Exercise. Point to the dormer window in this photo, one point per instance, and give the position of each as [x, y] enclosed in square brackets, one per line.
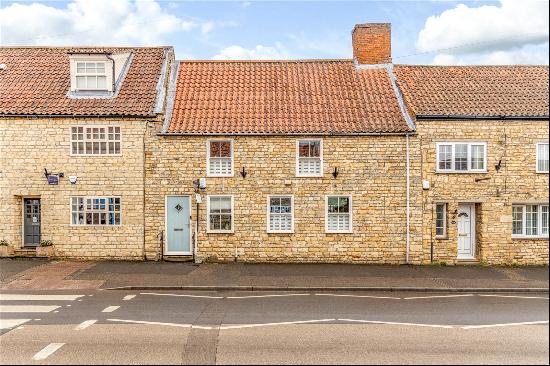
[91, 75]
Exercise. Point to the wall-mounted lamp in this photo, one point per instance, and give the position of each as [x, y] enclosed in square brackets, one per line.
[335, 172]
[244, 172]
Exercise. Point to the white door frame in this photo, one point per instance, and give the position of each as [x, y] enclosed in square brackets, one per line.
[472, 230]
[165, 244]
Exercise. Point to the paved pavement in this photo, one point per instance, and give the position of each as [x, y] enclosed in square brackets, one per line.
[109, 274]
[230, 327]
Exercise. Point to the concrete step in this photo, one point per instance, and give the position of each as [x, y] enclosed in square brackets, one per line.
[178, 258]
[25, 253]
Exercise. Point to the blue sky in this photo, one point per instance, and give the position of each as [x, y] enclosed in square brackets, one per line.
[441, 32]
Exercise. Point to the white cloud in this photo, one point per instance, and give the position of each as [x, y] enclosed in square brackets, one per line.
[83, 22]
[512, 32]
[259, 52]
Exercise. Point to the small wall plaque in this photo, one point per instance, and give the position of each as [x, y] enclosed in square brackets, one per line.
[53, 180]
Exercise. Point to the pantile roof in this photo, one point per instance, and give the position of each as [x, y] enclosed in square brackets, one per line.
[475, 91]
[284, 97]
[36, 81]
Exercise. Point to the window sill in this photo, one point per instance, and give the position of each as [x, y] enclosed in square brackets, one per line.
[338, 232]
[220, 231]
[461, 172]
[94, 226]
[280, 232]
[309, 176]
[527, 237]
[220, 176]
[445, 237]
[541, 172]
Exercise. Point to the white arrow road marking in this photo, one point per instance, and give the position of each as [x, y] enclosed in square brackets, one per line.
[110, 309]
[47, 351]
[85, 324]
[361, 296]
[272, 324]
[436, 296]
[26, 297]
[27, 308]
[180, 295]
[128, 297]
[517, 297]
[11, 323]
[504, 325]
[396, 323]
[257, 296]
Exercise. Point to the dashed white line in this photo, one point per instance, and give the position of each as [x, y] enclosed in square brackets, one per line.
[181, 295]
[26, 297]
[396, 323]
[128, 297]
[110, 309]
[27, 308]
[504, 325]
[273, 324]
[259, 296]
[85, 324]
[47, 351]
[517, 297]
[11, 323]
[436, 296]
[361, 296]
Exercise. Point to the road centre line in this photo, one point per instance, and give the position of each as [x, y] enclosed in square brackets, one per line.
[110, 309]
[47, 351]
[128, 297]
[516, 296]
[85, 324]
[28, 297]
[361, 296]
[181, 295]
[396, 323]
[436, 296]
[27, 308]
[503, 325]
[258, 296]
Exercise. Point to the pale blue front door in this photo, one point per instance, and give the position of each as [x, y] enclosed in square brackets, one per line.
[178, 225]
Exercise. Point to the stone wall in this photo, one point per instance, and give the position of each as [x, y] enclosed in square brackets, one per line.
[514, 144]
[28, 145]
[372, 169]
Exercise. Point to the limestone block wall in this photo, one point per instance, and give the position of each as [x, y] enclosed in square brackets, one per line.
[372, 169]
[514, 144]
[28, 145]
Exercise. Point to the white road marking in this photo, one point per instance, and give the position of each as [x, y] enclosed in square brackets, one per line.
[272, 324]
[515, 296]
[436, 296]
[257, 296]
[47, 351]
[503, 325]
[25, 297]
[11, 323]
[128, 297]
[361, 296]
[396, 323]
[85, 324]
[110, 309]
[153, 323]
[27, 308]
[180, 295]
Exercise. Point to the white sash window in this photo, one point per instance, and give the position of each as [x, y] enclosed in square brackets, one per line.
[220, 214]
[280, 214]
[309, 158]
[95, 140]
[338, 214]
[542, 157]
[461, 157]
[91, 76]
[529, 221]
[220, 158]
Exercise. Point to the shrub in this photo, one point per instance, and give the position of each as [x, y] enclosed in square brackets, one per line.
[4, 243]
[46, 243]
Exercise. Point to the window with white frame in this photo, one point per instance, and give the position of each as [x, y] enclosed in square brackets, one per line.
[220, 214]
[461, 156]
[95, 211]
[309, 158]
[338, 214]
[280, 214]
[530, 220]
[542, 157]
[95, 140]
[91, 75]
[220, 158]
[441, 220]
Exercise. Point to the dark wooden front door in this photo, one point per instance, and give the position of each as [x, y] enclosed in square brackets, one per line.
[32, 222]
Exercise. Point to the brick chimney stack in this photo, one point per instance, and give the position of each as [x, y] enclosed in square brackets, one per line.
[372, 43]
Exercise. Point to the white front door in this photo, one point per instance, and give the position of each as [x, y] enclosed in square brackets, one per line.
[466, 231]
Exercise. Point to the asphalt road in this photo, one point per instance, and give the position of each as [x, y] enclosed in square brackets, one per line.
[140, 327]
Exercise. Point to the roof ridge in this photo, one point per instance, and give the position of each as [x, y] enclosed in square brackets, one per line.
[472, 66]
[83, 47]
[268, 61]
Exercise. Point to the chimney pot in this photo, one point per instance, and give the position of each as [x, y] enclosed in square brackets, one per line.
[372, 43]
